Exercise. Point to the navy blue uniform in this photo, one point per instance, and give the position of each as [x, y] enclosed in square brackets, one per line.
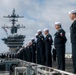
[59, 43]
[33, 50]
[20, 54]
[40, 49]
[48, 56]
[29, 59]
[73, 41]
[26, 53]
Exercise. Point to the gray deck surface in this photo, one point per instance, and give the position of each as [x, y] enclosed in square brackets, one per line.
[69, 67]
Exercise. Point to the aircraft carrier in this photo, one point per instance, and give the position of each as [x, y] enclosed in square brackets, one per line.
[13, 66]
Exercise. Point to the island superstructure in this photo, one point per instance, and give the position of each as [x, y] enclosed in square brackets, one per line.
[14, 40]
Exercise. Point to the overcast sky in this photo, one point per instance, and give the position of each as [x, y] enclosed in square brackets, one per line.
[38, 14]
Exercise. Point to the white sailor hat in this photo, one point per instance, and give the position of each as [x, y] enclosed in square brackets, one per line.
[72, 12]
[39, 31]
[46, 29]
[57, 23]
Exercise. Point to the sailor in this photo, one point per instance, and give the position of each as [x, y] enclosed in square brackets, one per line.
[26, 52]
[59, 43]
[29, 57]
[23, 52]
[72, 15]
[36, 36]
[48, 47]
[33, 50]
[30, 49]
[20, 53]
[40, 48]
[10, 55]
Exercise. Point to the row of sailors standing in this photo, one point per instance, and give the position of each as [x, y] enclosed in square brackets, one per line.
[28, 53]
[7, 55]
[39, 51]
